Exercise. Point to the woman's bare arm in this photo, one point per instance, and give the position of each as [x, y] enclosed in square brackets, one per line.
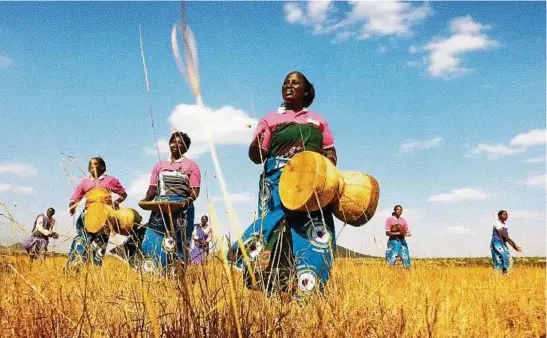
[257, 154]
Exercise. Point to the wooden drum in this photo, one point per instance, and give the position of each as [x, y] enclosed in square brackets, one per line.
[358, 198]
[99, 211]
[125, 220]
[309, 182]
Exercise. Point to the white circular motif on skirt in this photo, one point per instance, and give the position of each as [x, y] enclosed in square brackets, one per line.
[318, 234]
[168, 244]
[94, 245]
[254, 246]
[306, 280]
[148, 265]
[100, 252]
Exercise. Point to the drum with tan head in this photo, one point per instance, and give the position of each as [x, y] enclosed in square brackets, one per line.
[309, 182]
[100, 195]
[126, 218]
[99, 212]
[358, 198]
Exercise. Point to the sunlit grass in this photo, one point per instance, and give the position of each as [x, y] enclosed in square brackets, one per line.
[364, 298]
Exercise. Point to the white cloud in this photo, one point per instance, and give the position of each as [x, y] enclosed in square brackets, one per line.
[237, 198]
[531, 138]
[538, 180]
[445, 53]
[386, 17]
[342, 36]
[495, 151]
[410, 145]
[459, 195]
[318, 10]
[18, 169]
[5, 61]
[16, 189]
[365, 20]
[535, 160]
[138, 187]
[294, 14]
[458, 230]
[162, 146]
[228, 125]
[517, 145]
[4, 187]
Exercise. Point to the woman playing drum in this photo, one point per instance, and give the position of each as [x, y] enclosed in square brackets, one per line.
[175, 181]
[87, 245]
[290, 251]
[397, 230]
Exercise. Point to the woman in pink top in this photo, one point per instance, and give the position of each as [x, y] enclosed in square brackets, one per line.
[290, 251]
[87, 246]
[177, 179]
[397, 230]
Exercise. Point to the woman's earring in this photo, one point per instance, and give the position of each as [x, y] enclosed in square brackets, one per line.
[306, 94]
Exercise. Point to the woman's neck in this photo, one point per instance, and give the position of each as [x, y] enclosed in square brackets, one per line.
[294, 106]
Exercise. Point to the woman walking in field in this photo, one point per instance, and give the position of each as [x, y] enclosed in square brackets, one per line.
[397, 230]
[292, 251]
[201, 237]
[88, 246]
[36, 244]
[501, 256]
[177, 180]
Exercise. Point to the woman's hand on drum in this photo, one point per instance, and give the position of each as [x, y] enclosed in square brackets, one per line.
[408, 234]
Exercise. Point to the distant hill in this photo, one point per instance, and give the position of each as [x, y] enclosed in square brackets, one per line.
[15, 248]
[347, 253]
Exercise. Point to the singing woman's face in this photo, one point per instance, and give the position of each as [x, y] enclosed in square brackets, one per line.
[398, 211]
[293, 89]
[177, 147]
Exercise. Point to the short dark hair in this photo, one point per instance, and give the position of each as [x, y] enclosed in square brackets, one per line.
[99, 159]
[395, 208]
[52, 211]
[309, 88]
[501, 212]
[185, 138]
[206, 217]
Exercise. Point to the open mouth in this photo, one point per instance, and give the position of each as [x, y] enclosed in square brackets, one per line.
[289, 91]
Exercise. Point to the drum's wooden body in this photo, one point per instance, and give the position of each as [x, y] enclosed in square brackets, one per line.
[358, 198]
[126, 218]
[161, 206]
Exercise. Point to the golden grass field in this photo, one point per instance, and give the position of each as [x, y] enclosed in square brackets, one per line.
[364, 298]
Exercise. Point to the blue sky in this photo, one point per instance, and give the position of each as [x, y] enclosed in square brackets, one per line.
[444, 103]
